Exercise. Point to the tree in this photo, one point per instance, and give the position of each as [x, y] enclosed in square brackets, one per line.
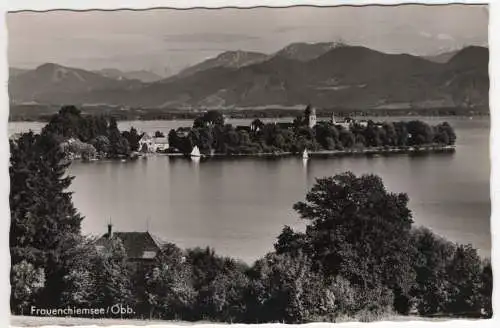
[349, 219]
[420, 133]
[80, 287]
[66, 123]
[220, 283]
[159, 134]
[290, 291]
[133, 138]
[291, 242]
[26, 281]
[347, 138]
[112, 279]
[101, 144]
[173, 139]
[445, 134]
[464, 282]
[224, 296]
[372, 135]
[211, 117]
[486, 289]
[432, 258]
[256, 125]
[205, 265]
[42, 211]
[169, 291]
[119, 145]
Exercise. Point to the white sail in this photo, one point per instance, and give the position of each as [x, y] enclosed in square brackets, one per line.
[305, 155]
[195, 152]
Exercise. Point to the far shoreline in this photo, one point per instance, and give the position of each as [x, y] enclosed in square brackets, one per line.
[461, 116]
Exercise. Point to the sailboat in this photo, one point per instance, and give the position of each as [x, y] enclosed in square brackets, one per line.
[305, 155]
[195, 152]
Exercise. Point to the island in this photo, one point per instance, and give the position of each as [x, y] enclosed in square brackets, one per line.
[93, 137]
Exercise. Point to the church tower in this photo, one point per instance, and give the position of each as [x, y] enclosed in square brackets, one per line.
[312, 118]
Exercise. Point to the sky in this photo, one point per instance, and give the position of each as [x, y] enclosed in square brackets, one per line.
[166, 40]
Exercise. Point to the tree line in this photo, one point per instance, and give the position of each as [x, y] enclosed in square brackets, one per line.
[359, 258]
[88, 136]
[210, 134]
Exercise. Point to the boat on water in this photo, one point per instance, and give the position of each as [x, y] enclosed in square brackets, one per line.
[305, 155]
[195, 152]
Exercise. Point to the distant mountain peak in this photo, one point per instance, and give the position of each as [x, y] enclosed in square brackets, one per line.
[305, 51]
[228, 59]
[469, 56]
[48, 66]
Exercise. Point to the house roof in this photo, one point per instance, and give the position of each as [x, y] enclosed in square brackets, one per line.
[135, 243]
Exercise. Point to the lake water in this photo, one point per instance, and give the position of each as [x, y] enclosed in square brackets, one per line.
[239, 206]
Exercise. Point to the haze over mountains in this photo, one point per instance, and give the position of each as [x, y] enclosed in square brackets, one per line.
[328, 75]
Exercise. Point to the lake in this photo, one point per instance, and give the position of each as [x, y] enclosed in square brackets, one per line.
[239, 206]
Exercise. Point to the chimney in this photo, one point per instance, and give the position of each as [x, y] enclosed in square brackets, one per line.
[110, 230]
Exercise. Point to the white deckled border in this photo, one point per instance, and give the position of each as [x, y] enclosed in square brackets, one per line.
[142, 4]
[14, 5]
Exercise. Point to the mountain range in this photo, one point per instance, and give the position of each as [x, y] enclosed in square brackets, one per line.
[327, 75]
[141, 75]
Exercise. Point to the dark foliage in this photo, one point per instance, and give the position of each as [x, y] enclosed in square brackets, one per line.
[42, 213]
[210, 134]
[100, 132]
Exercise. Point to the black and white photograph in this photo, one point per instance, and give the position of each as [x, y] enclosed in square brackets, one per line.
[261, 165]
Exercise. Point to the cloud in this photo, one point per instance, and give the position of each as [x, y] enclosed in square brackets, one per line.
[285, 29]
[209, 37]
[425, 34]
[442, 36]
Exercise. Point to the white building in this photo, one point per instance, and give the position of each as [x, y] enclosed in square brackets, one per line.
[345, 124]
[149, 144]
[312, 118]
[160, 144]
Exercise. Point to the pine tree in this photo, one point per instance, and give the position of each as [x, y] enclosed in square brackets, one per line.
[42, 211]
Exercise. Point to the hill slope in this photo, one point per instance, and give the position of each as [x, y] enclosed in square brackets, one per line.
[52, 83]
[141, 75]
[229, 59]
[306, 51]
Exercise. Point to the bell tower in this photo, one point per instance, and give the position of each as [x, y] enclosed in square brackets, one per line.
[312, 118]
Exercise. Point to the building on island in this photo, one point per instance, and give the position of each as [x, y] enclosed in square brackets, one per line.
[348, 122]
[161, 143]
[150, 144]
[140, 247]
[312, 119]
[146, 143]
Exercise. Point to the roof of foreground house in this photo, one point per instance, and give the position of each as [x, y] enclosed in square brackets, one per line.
[137, 244]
